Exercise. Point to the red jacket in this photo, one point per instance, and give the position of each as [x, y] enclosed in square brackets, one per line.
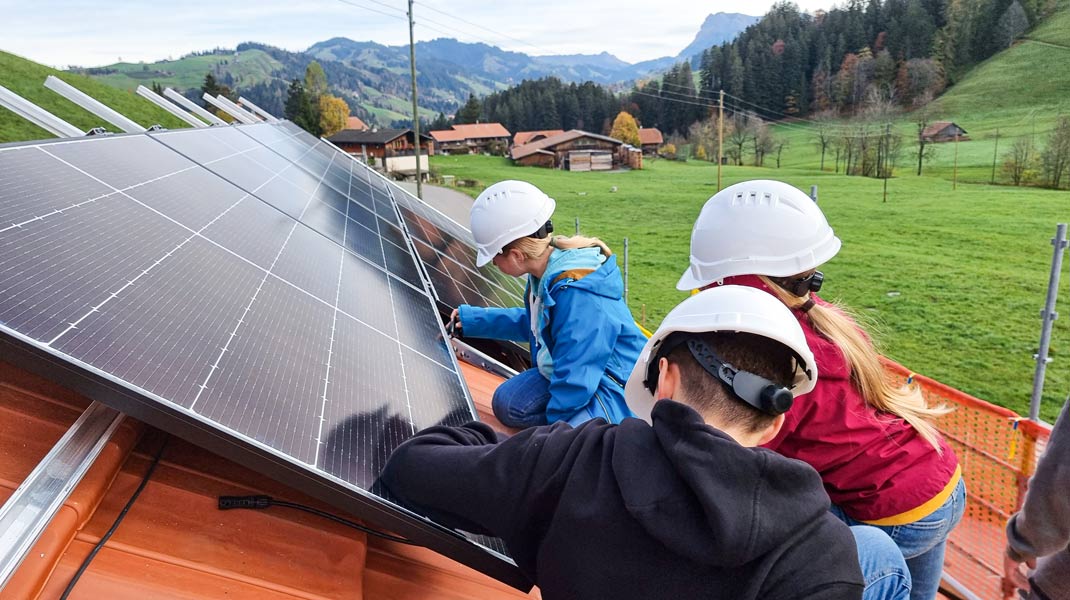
[874, 465]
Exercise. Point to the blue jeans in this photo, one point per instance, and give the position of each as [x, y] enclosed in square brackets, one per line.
[922, 542]
[883, 567]
[521, 401]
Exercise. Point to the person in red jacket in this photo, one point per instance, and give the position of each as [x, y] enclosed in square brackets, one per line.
[880, 458]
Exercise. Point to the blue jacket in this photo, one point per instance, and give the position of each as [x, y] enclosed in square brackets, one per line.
[583, 337]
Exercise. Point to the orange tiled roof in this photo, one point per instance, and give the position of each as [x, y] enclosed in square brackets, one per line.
[523, 137]
[650, 135]
[477, 131]
[448, 135]
[356, 123]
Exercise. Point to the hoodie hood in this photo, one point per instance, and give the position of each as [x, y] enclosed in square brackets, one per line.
[722, 512]
[605, 280]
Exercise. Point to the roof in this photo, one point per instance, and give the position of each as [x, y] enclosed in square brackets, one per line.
[380, 136]
[519, 152]
[174, 542]
[650, 135]
[477, 131]
[937, 127]
[356, 123]
[447, 135]
[474, 131]
[523, 137]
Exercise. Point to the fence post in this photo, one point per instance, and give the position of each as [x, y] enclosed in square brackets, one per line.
[577, 226]
[625, 271]
[813, 193]
[1047, 316]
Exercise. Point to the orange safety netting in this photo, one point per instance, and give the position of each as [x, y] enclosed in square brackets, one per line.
[998, 452]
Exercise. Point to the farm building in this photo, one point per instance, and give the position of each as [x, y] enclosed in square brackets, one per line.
[380, 143]
[944, 131]
[472, 139]
[575, 150]
[525, 137]
[650, 139]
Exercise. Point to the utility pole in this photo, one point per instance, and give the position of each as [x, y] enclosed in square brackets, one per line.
[887, 171]
[415, 112]
[995, 153]
[955, 172]
[720, 138]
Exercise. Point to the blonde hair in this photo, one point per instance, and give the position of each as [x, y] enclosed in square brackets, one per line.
[867, 374]
[533, 248]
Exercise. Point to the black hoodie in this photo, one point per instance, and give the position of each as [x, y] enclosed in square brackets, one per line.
[673, 510]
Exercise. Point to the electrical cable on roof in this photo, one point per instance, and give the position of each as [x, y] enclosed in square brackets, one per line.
[119, 519]
[261, 502]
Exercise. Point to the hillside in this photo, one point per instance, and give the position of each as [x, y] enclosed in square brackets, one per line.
[26, 78]
[1017, 92]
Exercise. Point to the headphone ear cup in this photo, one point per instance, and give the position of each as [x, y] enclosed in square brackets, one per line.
[652, 372]
[776, 400]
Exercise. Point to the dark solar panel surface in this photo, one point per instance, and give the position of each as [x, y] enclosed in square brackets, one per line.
[240, 278]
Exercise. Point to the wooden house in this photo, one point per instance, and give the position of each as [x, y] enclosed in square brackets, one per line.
[381, 143]
[574, 150]
[650, 139]
[943, 131]
[475, 138]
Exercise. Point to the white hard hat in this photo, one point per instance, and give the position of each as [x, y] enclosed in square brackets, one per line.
[729, 308]
[507, 211]
[759, 227]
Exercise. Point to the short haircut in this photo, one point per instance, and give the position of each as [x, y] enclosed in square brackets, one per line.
[746, 352]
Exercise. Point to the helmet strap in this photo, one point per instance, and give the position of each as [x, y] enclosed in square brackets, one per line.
[757, 391]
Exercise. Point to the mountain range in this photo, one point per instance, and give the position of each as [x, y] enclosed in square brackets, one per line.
[374, 78]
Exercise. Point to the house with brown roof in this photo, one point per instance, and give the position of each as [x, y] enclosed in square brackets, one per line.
[381, 143]
[525, 137]
[650, 139]
[576, 150]
[943, 131]
[472, 138]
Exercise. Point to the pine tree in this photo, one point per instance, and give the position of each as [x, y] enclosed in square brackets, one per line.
[470, 112]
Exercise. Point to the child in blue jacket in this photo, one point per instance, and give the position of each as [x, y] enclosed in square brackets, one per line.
[583, 339]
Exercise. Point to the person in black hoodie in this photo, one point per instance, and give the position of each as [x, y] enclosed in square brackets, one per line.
[681, 507]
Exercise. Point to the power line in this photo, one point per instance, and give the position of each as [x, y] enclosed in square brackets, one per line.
[496, 33]
[374, 10]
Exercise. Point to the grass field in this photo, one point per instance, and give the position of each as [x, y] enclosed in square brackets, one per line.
[250, 66]
[953, 281]
[26, 78]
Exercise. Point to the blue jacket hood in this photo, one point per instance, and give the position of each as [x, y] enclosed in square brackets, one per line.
[604, 281]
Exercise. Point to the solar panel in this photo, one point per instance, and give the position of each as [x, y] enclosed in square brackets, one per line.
[206, 283]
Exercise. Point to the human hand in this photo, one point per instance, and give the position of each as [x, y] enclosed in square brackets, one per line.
[454, 323]
[1013, 576]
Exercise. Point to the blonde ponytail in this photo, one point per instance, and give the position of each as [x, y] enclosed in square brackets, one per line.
[533, 248]
[867, 374]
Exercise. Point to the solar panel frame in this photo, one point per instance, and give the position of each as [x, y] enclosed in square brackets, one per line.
[100, 384]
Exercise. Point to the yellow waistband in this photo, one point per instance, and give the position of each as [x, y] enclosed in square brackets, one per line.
[916, 514]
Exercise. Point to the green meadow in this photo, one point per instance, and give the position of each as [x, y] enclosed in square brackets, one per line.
[951, 281]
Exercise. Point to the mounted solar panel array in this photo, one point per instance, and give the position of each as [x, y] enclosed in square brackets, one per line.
[242, 287]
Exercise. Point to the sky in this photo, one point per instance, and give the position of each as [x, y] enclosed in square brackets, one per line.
[61, 33]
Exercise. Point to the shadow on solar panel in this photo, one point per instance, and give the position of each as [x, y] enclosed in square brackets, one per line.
[246, 288]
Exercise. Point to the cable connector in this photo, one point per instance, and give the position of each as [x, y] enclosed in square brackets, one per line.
[257, 502]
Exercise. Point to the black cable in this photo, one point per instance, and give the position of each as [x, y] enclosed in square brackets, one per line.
[115, 525]
[261, 502]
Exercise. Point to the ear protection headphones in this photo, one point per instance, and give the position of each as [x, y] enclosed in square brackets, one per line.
[546, 229]
[799, 287]
[755, 390]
